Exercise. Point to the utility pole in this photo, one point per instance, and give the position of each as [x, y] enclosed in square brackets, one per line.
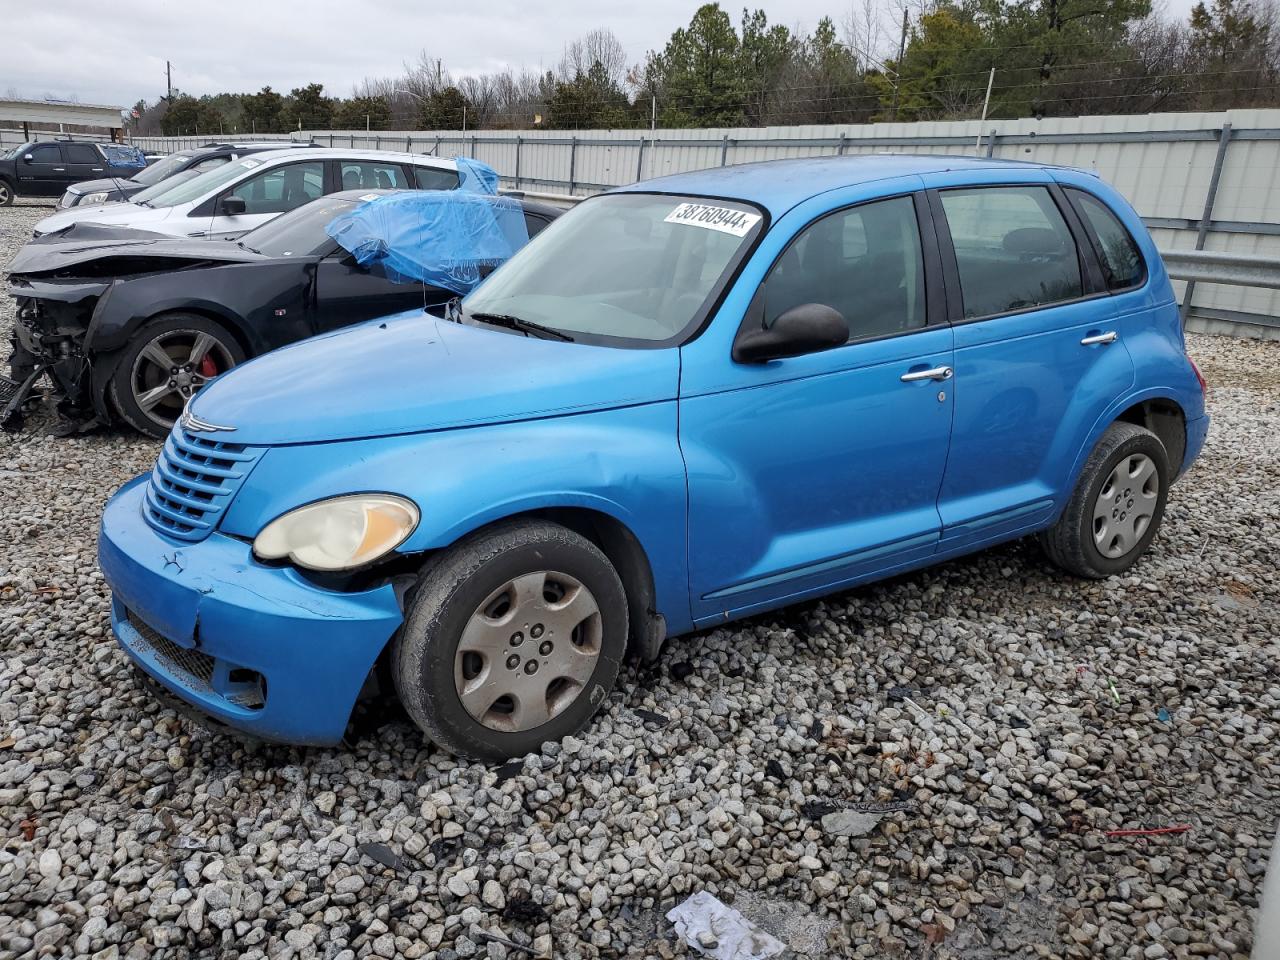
[897, 83]
[653, 113]
[438, 71]
[168, 80]
[991, 78]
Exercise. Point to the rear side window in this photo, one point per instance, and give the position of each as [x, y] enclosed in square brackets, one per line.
[865, 262]
[435, 178]
[81, 153]
[1013, 249]
[1122, 264]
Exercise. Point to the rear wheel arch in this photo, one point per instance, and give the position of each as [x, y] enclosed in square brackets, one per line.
[1166, 419]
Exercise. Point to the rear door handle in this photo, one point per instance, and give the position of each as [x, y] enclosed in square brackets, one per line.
[1109, 337]
[936, 373]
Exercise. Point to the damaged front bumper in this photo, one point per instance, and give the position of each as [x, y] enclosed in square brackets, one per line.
[258, 648]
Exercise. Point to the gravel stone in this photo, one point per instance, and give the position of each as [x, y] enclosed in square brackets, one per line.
[993, 717]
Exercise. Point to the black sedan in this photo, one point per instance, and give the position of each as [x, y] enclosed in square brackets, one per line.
[129, 324]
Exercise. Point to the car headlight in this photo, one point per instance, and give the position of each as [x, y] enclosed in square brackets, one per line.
[88, 198]
[339, 534]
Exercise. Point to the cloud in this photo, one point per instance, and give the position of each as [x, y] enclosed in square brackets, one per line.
[76, 49]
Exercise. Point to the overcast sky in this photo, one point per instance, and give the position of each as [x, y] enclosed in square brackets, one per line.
[115, 54]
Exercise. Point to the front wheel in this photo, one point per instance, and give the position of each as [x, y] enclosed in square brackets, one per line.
[164, 364]
[6, 193]
[1116, 507]
[514, 637]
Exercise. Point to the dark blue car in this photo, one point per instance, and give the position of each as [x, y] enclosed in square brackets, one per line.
[688, 401]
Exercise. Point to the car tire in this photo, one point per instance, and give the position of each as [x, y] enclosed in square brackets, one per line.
[7, 193]
[514, 637]
[136, 383]
[1116, 507]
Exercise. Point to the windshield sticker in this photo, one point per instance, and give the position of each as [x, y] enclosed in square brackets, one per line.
[724, 219]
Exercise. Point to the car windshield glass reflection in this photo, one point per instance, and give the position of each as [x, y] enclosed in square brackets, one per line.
[300, 232]
[162, 169]
[624, 266]
[164, 194]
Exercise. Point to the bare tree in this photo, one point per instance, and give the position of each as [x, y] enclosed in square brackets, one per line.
[599, 46]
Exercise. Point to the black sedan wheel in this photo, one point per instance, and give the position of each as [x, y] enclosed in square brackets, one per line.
[165, 364]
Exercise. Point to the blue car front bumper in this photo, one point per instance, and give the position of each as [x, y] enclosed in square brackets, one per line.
[258, 648]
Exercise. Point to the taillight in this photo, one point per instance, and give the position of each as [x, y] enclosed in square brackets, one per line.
[1204, 387]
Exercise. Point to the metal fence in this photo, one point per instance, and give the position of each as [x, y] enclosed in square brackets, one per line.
[1201, 181]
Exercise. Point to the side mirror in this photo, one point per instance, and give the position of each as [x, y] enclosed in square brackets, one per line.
[28, 158]
[232, 206]
[808, 328]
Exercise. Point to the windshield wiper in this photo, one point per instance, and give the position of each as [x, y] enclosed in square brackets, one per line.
[244, 246]
[512, 322]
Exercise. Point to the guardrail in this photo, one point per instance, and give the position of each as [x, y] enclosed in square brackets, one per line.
[1212, 266]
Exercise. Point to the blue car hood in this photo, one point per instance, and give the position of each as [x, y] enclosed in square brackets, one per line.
[411, 373]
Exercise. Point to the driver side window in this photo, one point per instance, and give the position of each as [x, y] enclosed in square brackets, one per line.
[865, 261]
[282, 189]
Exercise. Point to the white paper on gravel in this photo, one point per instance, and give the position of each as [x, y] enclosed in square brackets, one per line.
[703, 918]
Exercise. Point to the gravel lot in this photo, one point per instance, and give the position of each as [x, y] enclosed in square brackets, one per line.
[1006, 716]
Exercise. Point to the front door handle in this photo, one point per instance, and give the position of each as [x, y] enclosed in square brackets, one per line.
[936, 373]
[1109, 337]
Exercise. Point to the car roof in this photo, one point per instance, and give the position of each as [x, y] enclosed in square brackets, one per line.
[778, 185]
[530, 206]
[342, 153]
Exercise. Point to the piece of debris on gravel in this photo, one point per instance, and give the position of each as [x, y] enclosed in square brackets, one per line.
[970, 707]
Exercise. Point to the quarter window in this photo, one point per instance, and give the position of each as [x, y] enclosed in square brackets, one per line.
[1122, 264]
[1013, 249]
[282, 188]
[435, 178]
[367, 175]
[865, 262]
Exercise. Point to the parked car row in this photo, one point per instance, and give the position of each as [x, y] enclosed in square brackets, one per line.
[129, 327]
[687, 401]
[174, 168]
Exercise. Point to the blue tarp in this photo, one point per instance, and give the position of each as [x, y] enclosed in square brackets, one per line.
[444, 238]
[123, 155]
[476, 177]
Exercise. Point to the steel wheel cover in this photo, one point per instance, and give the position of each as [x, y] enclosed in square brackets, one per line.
[172, 367]
[1125, 505]
[527, 651]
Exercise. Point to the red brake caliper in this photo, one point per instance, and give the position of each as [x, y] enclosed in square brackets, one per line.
[207, 367]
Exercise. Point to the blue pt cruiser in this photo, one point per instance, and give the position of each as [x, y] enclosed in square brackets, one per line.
[688, 401]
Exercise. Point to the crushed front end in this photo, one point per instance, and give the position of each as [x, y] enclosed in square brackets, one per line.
[49, 337]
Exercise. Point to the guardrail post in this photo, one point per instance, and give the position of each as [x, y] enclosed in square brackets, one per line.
[519, 141]
[573, 164]
[640, 160]
[473, 146]
[724, 150]
[840, 149]
[991, 144]
[1206, 218]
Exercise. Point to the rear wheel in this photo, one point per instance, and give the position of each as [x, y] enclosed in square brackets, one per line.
[1117, 505]
[6, 193]
[165, 364]
[514, 637]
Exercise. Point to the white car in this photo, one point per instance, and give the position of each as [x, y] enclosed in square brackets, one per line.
[234, 198]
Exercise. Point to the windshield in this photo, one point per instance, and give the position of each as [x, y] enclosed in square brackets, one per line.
[163, 194]
[623, 266]
[162, 168]
[11, 154]
[300, 232]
